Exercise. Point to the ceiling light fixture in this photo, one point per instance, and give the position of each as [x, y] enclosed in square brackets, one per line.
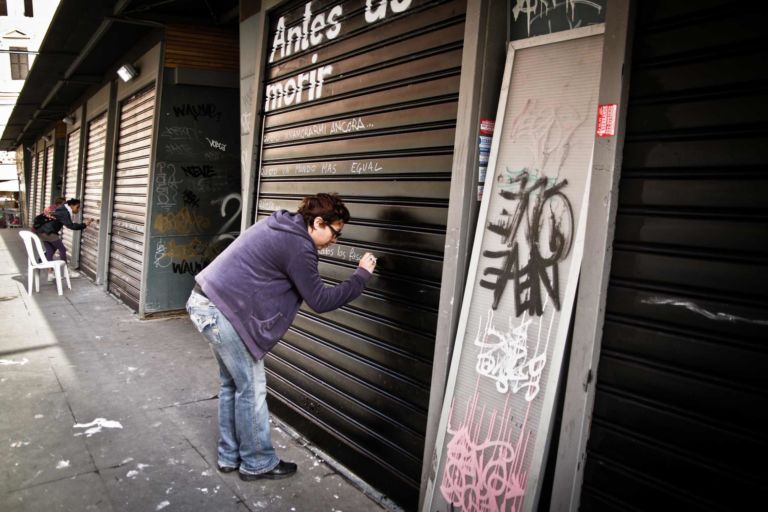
[126, 72]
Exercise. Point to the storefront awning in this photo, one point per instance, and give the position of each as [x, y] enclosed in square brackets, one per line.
[83, 45]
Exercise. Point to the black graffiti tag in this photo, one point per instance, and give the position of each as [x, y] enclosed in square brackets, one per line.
[191, 199]
[547, 219]
[199, 110]
[199, 171]
[187, 267]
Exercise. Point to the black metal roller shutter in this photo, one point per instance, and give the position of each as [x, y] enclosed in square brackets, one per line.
[93, 182]
[40, 183]
[70, 180]
[377, 128]
[129, 213]
[48, 189]
[680, 411]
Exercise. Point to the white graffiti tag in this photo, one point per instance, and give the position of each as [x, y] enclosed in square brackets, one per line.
[161, 257]
[535, 10]
[166, 185]
[504, 358]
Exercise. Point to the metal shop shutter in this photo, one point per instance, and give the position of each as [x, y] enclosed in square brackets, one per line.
[40, 183]
[375, 122]
[48, 190]
[31, 195]
[70, 181]
[680, 410]
[93, 180]
[132, 161]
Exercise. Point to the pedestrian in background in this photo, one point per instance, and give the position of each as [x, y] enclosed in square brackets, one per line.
[246, 300]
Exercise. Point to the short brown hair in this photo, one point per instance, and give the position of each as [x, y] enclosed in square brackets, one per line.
[329, 207]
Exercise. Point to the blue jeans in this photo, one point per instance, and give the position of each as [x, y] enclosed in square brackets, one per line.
[245, 440]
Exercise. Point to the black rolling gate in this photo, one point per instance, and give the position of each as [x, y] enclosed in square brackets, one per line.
[374, 122]
[680, 411]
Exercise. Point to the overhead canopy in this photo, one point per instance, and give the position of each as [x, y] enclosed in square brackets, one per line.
[83, 42]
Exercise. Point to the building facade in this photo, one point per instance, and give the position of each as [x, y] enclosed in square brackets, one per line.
[23, 25]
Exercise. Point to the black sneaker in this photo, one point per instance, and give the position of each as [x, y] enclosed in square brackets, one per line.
[282, 470]
[226, 469]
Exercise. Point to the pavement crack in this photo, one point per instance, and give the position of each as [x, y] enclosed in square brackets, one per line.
[23, 486]
[119, 465]
[74, 421]
[61, 388]
[74, 306]
[178, 404]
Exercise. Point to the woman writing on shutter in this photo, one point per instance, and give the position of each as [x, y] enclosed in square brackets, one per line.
[244, 302]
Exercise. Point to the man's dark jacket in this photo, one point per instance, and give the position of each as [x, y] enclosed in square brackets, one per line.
[61, 218]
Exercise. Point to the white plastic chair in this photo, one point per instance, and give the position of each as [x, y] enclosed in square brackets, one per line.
[33, 244]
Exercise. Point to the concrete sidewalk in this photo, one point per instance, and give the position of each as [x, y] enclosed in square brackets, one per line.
[102, 411]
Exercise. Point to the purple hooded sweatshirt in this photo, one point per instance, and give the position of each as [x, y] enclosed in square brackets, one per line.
[259, 281]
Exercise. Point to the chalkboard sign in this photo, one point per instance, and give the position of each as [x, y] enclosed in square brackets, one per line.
[494, 428]
[196, 200]
[535, 18]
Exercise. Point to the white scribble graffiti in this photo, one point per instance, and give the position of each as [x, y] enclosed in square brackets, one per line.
[540, 9]
[290, 90]
[245, 158]
[216, 144]
[695, 308]
[311, 31]
[161, 257]
[315, 28]
[178, 149]
[166, 185]
[504, 355]
[225, 237]
[378, 13]
[246, 116]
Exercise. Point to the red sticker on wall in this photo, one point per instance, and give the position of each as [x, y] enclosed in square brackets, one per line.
[606, 120]
[487, 126]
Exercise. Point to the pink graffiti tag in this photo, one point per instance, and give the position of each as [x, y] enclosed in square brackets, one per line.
[485, 475]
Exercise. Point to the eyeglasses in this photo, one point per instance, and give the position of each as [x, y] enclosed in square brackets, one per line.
[336, 233]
